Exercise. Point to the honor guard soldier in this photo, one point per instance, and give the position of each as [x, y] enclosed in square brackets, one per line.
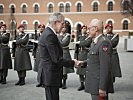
[5, 56]
[114, 38]
[35, 52]
[84, 43]
[22, 61]
[99, 79]
[64, 38]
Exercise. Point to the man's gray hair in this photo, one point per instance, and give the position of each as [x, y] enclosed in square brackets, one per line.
[55, 17]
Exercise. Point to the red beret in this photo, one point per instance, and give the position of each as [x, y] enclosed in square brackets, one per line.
[3, 25]
[20, 26]
[84, 26]
[109, 25]
[41, 26]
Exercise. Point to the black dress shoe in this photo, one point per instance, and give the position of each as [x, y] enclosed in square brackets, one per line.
[21, 83]
[17, 83]
[81, 88]
[64, 87]
[38, 85]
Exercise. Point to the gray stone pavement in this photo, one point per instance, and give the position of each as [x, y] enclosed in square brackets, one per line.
[123, 86]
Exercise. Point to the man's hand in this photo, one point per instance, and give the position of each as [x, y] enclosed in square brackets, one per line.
[78, 63]
[102, 93]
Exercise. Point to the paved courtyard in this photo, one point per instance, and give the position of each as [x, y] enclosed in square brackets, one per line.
[123, 86]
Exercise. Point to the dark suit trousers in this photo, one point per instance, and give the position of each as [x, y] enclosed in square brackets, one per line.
[52, 93]
[96, 97]
[3, 73]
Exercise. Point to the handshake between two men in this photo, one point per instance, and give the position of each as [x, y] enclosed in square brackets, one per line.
[78, 63]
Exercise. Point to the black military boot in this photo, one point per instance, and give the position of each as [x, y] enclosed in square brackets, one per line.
[82, 87]
[22, 81]
[18, 82]
[64, 84]
[3, 80]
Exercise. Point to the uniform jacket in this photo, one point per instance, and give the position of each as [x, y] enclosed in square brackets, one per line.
[5, 57]
[64, 41]
[98, 72]
[22, 58]
[50, 70]
[116, 70]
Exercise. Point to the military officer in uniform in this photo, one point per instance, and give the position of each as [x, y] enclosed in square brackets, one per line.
[114, 38]
[35, 52]
[22, 61]
[99, 79]
[64, 39]
[84, 44]
[5, 56]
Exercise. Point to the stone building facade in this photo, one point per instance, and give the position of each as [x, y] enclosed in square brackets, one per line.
[76, 12]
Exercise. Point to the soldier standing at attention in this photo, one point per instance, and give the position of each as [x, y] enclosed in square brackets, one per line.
[35, 52]
[99, 79]
[84, 44]
[114, 38]
[5, 56]
[22, 61]
[64, 39]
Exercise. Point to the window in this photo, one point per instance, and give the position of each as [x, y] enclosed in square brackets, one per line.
[36, 25]
[1, 9]
[61, 8]
[79, 7]
[67, 7]
[25, 25]
[125, 5]
[95, 6]
[12, 9]
[110, 6]
[50, 9]
[125, 25]
[36, 9]
[24, 10]
[110, 22]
